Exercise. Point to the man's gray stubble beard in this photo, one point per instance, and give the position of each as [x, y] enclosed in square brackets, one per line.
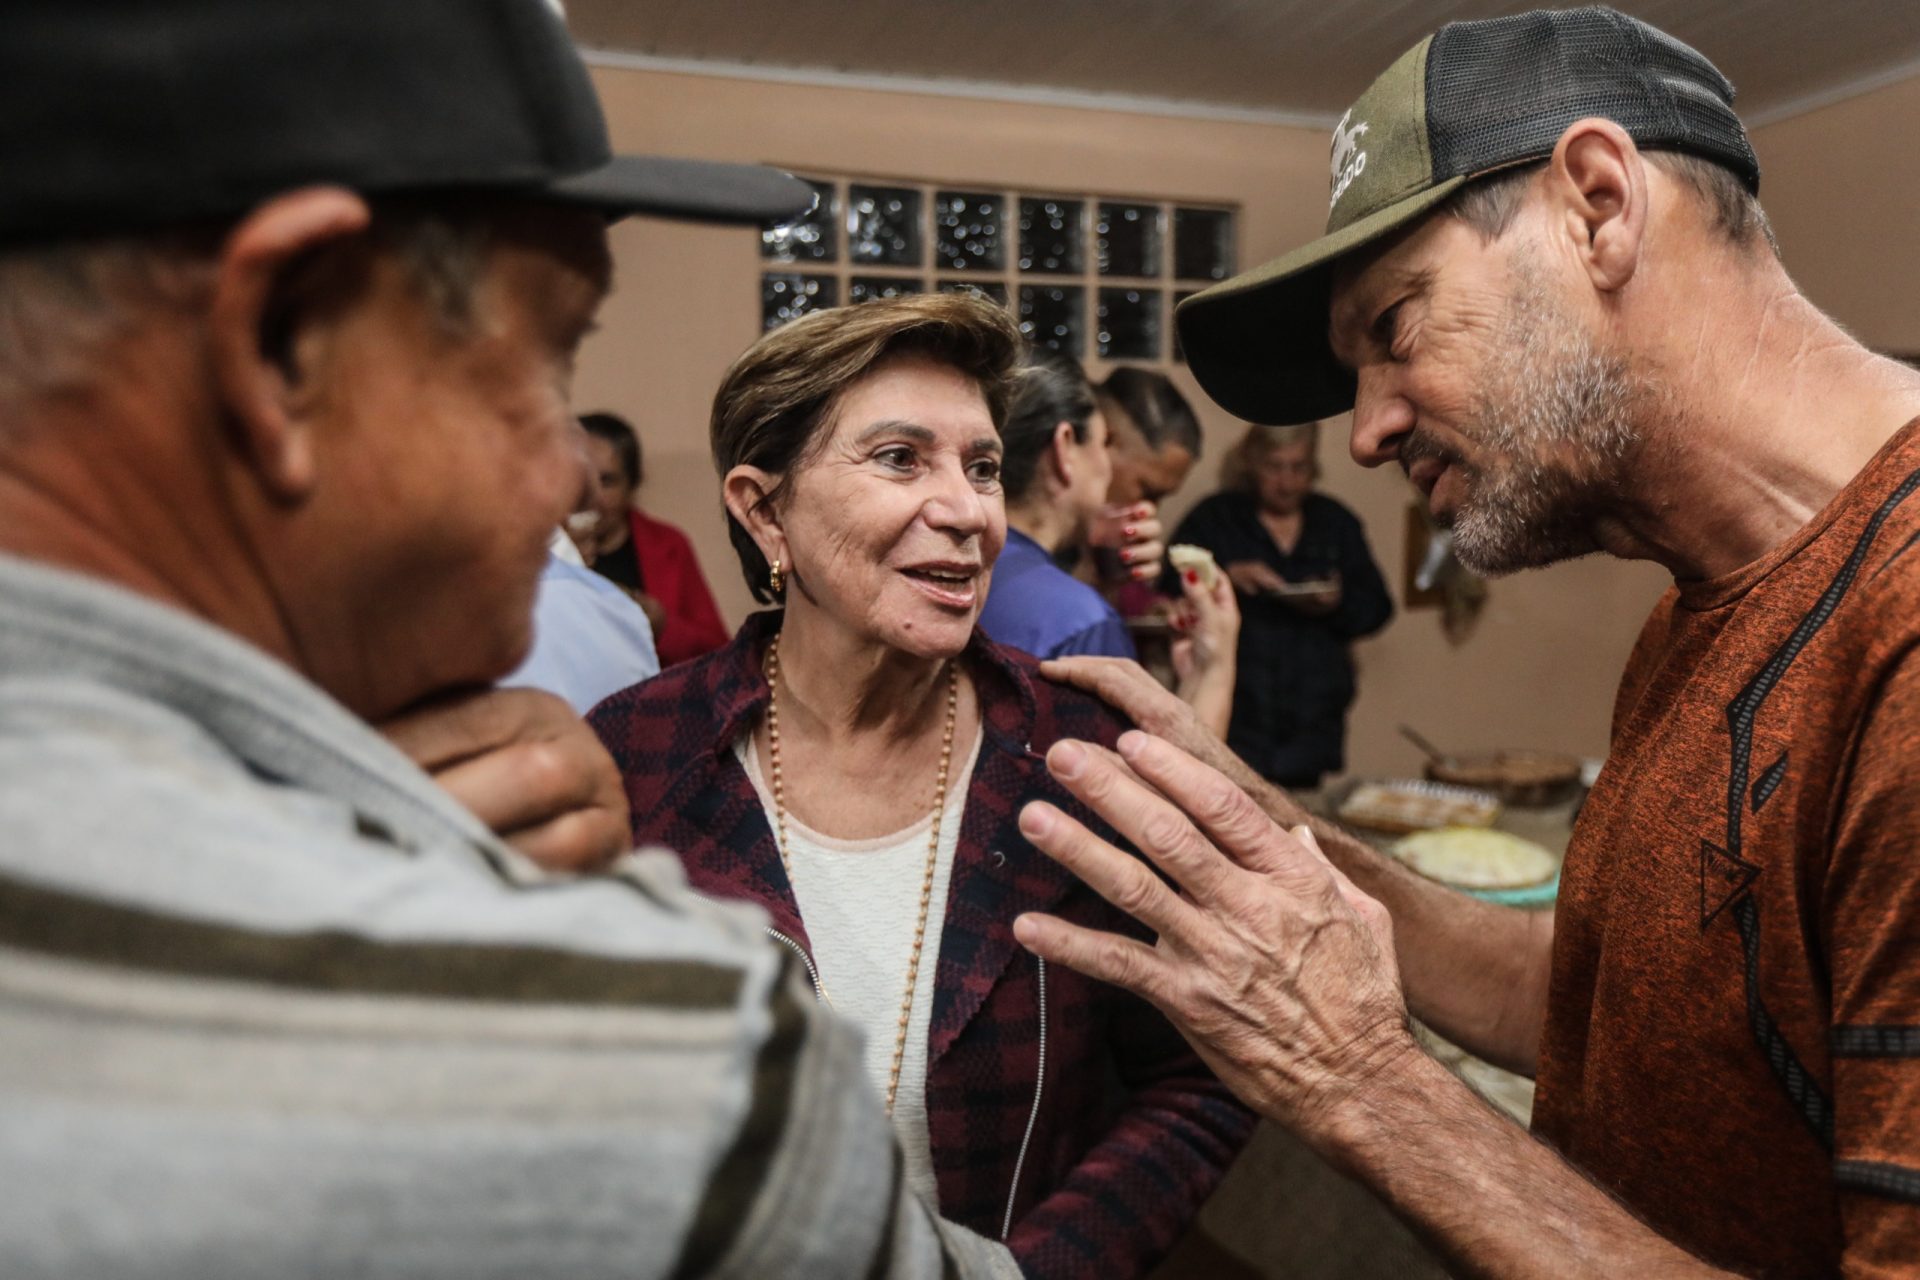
[1561, 425]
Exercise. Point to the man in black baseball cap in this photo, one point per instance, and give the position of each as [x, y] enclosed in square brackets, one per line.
[124, 115]
[289, 299]
[1548, 293]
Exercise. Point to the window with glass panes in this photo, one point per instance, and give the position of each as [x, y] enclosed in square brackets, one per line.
[1091, 275]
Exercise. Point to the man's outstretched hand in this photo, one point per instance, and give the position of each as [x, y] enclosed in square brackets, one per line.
[1273, 965]
[1131, 690]
[526, 765]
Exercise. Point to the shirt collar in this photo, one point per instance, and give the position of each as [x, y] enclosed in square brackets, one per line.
[738, 692]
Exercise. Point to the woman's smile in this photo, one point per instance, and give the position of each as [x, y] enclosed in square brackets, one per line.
[953, 584]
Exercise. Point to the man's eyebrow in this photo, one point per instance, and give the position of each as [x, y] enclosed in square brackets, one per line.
[987, 444]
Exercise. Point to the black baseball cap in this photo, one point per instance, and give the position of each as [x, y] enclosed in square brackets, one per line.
[122, 114]
[1471, 99]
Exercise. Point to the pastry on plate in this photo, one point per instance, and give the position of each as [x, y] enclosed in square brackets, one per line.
[1476, 858]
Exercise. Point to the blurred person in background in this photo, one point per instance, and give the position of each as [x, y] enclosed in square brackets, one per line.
[284, 435]
[651, 560]
[1156, 441]
[590, 638]
[1156, 437]
[854, 763]
[1308, 588]
[1056, 473]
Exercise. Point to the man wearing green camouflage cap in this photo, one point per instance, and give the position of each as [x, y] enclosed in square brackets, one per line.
[1548, 293]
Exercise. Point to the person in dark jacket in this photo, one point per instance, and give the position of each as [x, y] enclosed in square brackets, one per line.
[1308, 588]
[856, 762]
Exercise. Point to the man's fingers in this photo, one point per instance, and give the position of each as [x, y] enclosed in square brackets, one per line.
[1120, 684]
[1118, 877]
[521, 786]
[528, 767]
[448, 730]
[1224, 811]
[1156, 827]
[581, 841]
[1127, 963]
[1113, 758]
[560, 802]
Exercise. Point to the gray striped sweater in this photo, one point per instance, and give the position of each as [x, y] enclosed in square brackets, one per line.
[272, 1004]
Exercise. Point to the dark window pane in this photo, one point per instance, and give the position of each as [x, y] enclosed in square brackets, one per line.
[1202, 244]
[1051, 235]
[991, 290]
[1130, 324]
[883, 225]
[1127, 239]
[867, 288]
[787, 296]
[967, 230]
[1053, 315]
[809, 238]
[1178, 353]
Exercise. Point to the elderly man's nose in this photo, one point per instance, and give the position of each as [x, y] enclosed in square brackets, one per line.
[1382, 417]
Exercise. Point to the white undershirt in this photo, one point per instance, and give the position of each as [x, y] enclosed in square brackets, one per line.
[860, 900]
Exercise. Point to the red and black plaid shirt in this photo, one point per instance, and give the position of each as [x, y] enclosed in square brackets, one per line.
[1133, 1132]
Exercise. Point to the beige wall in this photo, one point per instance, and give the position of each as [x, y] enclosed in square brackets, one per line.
[1540, 669]
[1842, 186]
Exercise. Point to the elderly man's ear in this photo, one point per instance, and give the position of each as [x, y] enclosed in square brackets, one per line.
[262, 331]
[1599, 181]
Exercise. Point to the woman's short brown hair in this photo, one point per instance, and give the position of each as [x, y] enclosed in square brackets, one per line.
[775, 402]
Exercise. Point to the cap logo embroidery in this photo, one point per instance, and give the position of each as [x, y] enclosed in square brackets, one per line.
[1349, 161]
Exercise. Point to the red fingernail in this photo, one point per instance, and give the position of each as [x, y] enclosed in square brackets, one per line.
[1192, 576]
[1126, 556]
[1131, 530]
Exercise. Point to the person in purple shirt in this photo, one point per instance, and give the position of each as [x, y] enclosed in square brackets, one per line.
[1055, 473]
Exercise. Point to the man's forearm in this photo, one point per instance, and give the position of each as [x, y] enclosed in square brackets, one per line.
[1475, 972]
[1488, 1197]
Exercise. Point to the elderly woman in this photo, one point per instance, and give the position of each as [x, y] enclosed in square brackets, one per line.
[856, 762]
[1056, 469]
[1308, 588]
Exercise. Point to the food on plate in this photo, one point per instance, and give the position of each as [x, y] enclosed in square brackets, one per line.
[1475, 858]
[1308, 587]
[1406, 805]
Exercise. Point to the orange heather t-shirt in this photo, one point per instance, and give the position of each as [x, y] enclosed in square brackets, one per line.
[1732, 1044]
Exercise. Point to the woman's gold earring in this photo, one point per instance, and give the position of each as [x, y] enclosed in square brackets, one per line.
[774, 581]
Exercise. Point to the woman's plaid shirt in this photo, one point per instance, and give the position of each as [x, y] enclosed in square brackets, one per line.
[1133, 1132]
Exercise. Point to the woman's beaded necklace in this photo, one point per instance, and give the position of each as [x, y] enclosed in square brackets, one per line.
[933, 837]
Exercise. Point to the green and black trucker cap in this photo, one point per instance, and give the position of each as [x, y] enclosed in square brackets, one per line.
[117, 115]
[1472, 98]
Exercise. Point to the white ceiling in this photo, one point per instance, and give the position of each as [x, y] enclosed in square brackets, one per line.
[1291, 60]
